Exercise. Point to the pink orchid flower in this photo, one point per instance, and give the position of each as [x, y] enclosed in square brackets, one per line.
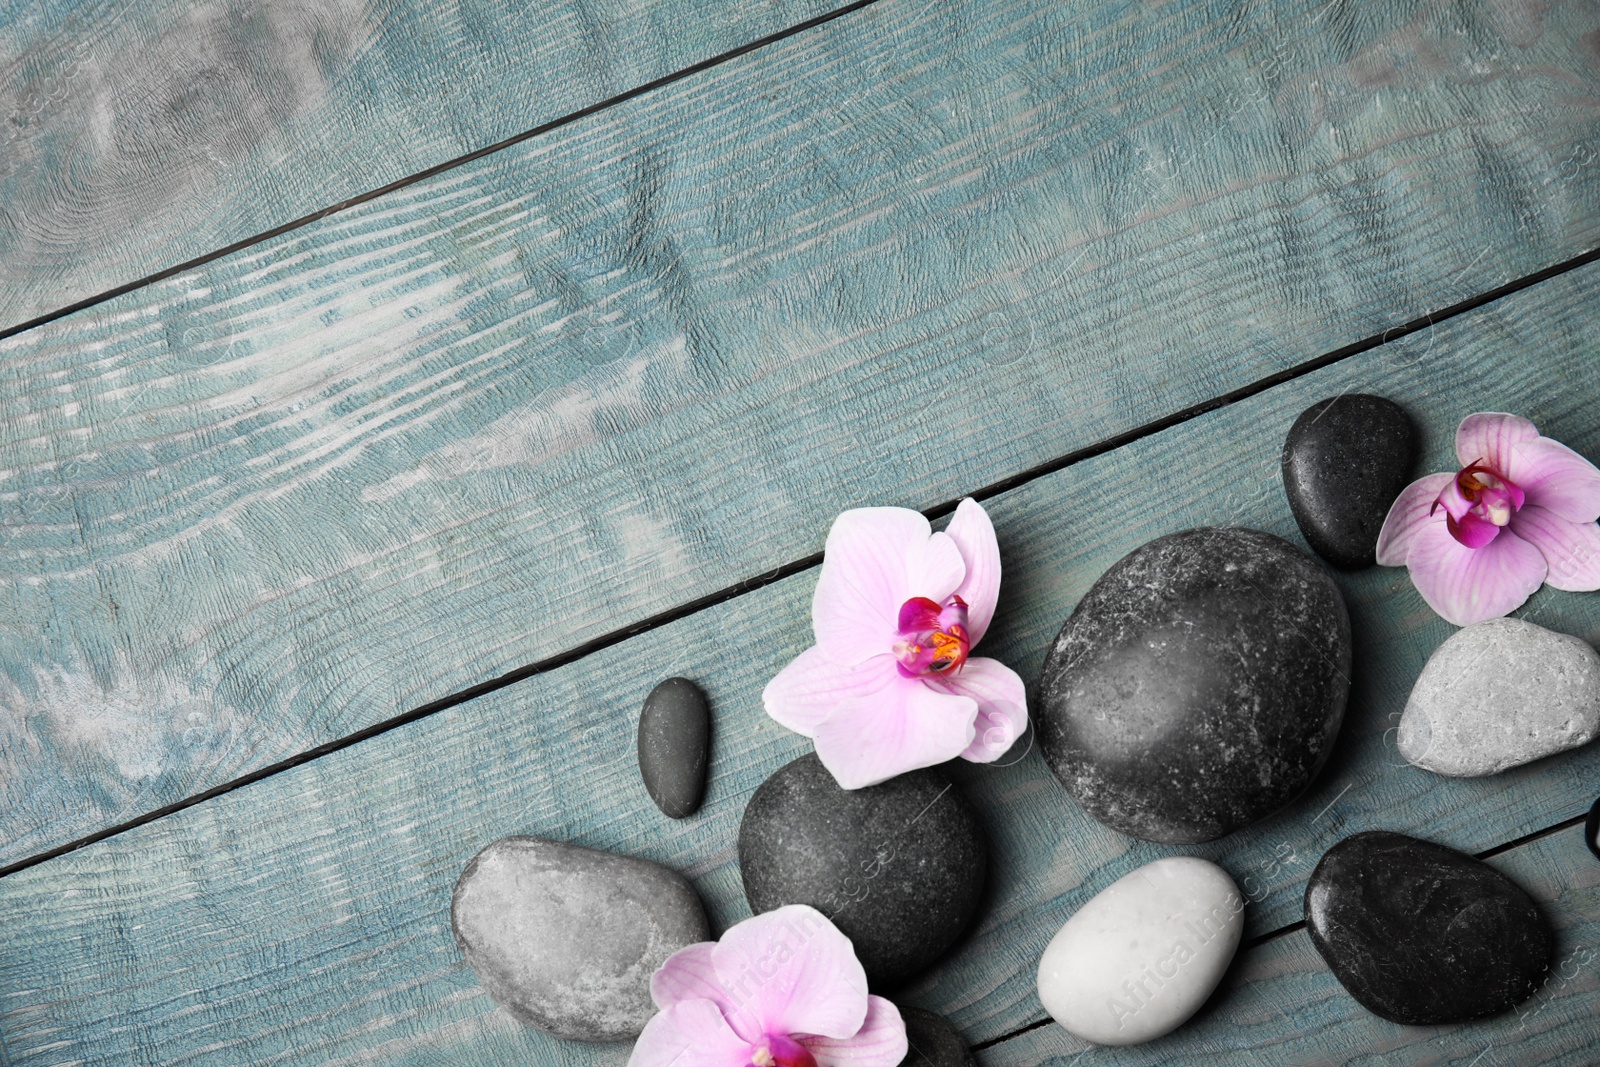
[1520, 512]
[783, 989]
[890, 685]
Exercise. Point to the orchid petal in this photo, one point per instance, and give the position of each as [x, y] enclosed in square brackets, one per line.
[687, 974]
[691, 974]
[973, 533]
[881, 1041]
[689, 1032]
[1002, 706]
[790, 971]
[1571, 549]
[1452, 501]
[875, 560]
[809, 689]
[1488, 436]
[936, 570]
[1467, 585]
[906, 726]
[1554, 476]
[1410, 512]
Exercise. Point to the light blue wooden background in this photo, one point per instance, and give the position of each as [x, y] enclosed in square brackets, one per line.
[318, 483]
[534, 400]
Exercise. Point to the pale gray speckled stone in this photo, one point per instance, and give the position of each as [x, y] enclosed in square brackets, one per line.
[566, 938]
[1499, 694]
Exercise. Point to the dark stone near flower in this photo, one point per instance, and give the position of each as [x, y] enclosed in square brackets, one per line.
[898, 867]
[566, 938]
[1591, 830]
[1423, 934]
[675, 746]
[1198, 686]
[933, 1041]
[1344, 462]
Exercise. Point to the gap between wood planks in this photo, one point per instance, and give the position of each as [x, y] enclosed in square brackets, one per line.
[439, 168]
[787, 570]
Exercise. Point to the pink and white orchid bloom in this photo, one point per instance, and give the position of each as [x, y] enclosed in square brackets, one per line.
[890, 685]
[783, 989]
[1520, 512]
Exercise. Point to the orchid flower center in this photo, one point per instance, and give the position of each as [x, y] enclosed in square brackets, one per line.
[779, 1050]
[1478, 503]
[933, 637]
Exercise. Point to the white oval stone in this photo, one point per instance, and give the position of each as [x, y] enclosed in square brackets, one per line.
[1144, 953]
[1499, 694]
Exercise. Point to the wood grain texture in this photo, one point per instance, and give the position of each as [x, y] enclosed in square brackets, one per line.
[271, 502]
[136, 136]
[303, 918]
[1280, 1006]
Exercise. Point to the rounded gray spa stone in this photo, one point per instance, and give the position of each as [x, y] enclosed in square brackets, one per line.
[1198, 685]
[566, 938]
[1498, 694]
[898, 867]
[932, 1042]
[1344, 462]
[675, 746]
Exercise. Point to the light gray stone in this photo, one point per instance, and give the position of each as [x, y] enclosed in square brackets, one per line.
[566, 938]
[1499, 694]
[1144, 953]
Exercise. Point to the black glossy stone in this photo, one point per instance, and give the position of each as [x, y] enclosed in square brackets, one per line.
[675, 746]
[1344, 462]
[1423, 934]
[1591, 830]
[933, 1041]
[898, 867]
[1198, 686]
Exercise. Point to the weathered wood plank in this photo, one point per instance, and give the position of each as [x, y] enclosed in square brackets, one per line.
[135, 137]
[272, 502]
[1280, 1005]
[303, 918]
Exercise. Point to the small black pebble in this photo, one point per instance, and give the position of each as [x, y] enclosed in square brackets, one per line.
[675, 746]
[933, 1041]
[1344, 462]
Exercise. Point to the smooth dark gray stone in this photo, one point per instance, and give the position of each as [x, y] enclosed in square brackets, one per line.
[1423, 934]
[675, 746]
[566, 938]
[1344, 462]
[1198, 686]
[898, 867]
[933, 1041]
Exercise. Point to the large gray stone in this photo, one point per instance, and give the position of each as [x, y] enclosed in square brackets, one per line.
[1499, 694]
[566, 938]
[1198, 686]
